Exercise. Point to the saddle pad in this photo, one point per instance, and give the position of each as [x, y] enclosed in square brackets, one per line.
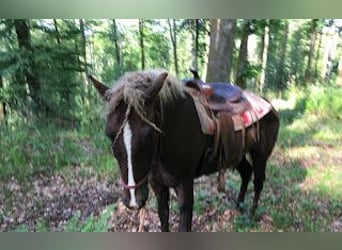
[259, 108]
[207, 123]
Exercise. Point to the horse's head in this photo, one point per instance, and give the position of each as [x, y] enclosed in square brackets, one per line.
[132, 127]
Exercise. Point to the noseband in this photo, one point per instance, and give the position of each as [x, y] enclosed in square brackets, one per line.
[157, 152]
[127, 187]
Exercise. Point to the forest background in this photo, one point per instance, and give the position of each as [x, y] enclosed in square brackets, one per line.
[56, 168]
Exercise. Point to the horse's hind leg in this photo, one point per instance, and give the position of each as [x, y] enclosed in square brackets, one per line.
[259, 178]
[185, 201]
[245, 170]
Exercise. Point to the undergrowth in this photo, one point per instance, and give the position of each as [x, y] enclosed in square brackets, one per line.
[31, 149]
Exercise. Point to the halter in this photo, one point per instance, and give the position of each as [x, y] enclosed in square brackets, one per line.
[157, 152]
[127, 187]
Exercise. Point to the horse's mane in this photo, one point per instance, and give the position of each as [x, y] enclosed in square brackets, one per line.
[129, 88]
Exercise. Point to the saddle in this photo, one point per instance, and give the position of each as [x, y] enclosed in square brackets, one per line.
[220, 97]
[224, 104]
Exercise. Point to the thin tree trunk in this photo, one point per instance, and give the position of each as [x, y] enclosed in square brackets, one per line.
[2, 104]
[84, 73]
[242, 62]
[83, 45]
[57, 31]
[308, 72]
[22, 29]
[318, 54]
[173, 37]
[195, 50]
[118, 66]
[263, 57]
[281, 65]
[339, 73]
[220, 50]
[141, 40]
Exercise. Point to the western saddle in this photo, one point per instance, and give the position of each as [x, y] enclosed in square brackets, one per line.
[224, 104]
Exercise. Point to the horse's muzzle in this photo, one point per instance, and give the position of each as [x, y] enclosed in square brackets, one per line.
[136, 205]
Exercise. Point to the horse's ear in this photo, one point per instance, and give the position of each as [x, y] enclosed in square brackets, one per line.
[101, 88]
[156, 86]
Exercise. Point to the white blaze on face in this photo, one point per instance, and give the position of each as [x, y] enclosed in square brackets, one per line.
[127, 137]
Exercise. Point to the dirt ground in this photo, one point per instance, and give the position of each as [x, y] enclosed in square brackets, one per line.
[56, 198]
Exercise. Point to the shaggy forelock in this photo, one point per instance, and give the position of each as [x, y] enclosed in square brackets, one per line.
[129, 88]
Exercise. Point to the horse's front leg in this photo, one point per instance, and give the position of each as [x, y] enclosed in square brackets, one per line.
[185, 201]
[163, 197]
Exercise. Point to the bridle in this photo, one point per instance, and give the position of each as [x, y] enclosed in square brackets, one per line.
[157, 152]
[127, 187]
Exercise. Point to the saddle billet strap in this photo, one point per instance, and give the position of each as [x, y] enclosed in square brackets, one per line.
[217, 134]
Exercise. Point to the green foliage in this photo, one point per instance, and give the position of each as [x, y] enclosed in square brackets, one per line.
[90, 224]
[297, 55]
[31, 149]
[54, 66]
[325, 102]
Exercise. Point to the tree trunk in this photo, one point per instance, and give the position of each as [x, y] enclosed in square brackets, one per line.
[2, 104]
[318, 54]
[83, 44]
[83, 73]
[242, 62]
[22, 29]
[141, 40]
[173, 37]
[118, 66]
[57, 31]
[308, 72]
[263, 57]
[339, 73]
[195, 50]
[220, 50]
[281, 80]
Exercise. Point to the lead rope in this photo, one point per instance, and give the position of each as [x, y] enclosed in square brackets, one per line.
[142, 213]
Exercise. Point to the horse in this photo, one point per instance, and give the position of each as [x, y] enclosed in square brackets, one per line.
[157, 140]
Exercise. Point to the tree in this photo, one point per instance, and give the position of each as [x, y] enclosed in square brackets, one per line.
[297, 52]
[118, 65]
[242, 63]
[141, 40]
[220, 50]
[313, 34]
[83, 43]
[22, 29]
[263, 53]
[2, 103]
[281, 69]
[173, 37]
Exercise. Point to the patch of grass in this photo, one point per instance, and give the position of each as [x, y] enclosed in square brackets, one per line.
[31, 149]
[242, 223]
[90, 224]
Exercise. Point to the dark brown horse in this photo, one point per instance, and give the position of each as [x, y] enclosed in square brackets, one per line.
[157, 139]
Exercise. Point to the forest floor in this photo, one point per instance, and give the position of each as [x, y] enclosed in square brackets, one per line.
[302, 191]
